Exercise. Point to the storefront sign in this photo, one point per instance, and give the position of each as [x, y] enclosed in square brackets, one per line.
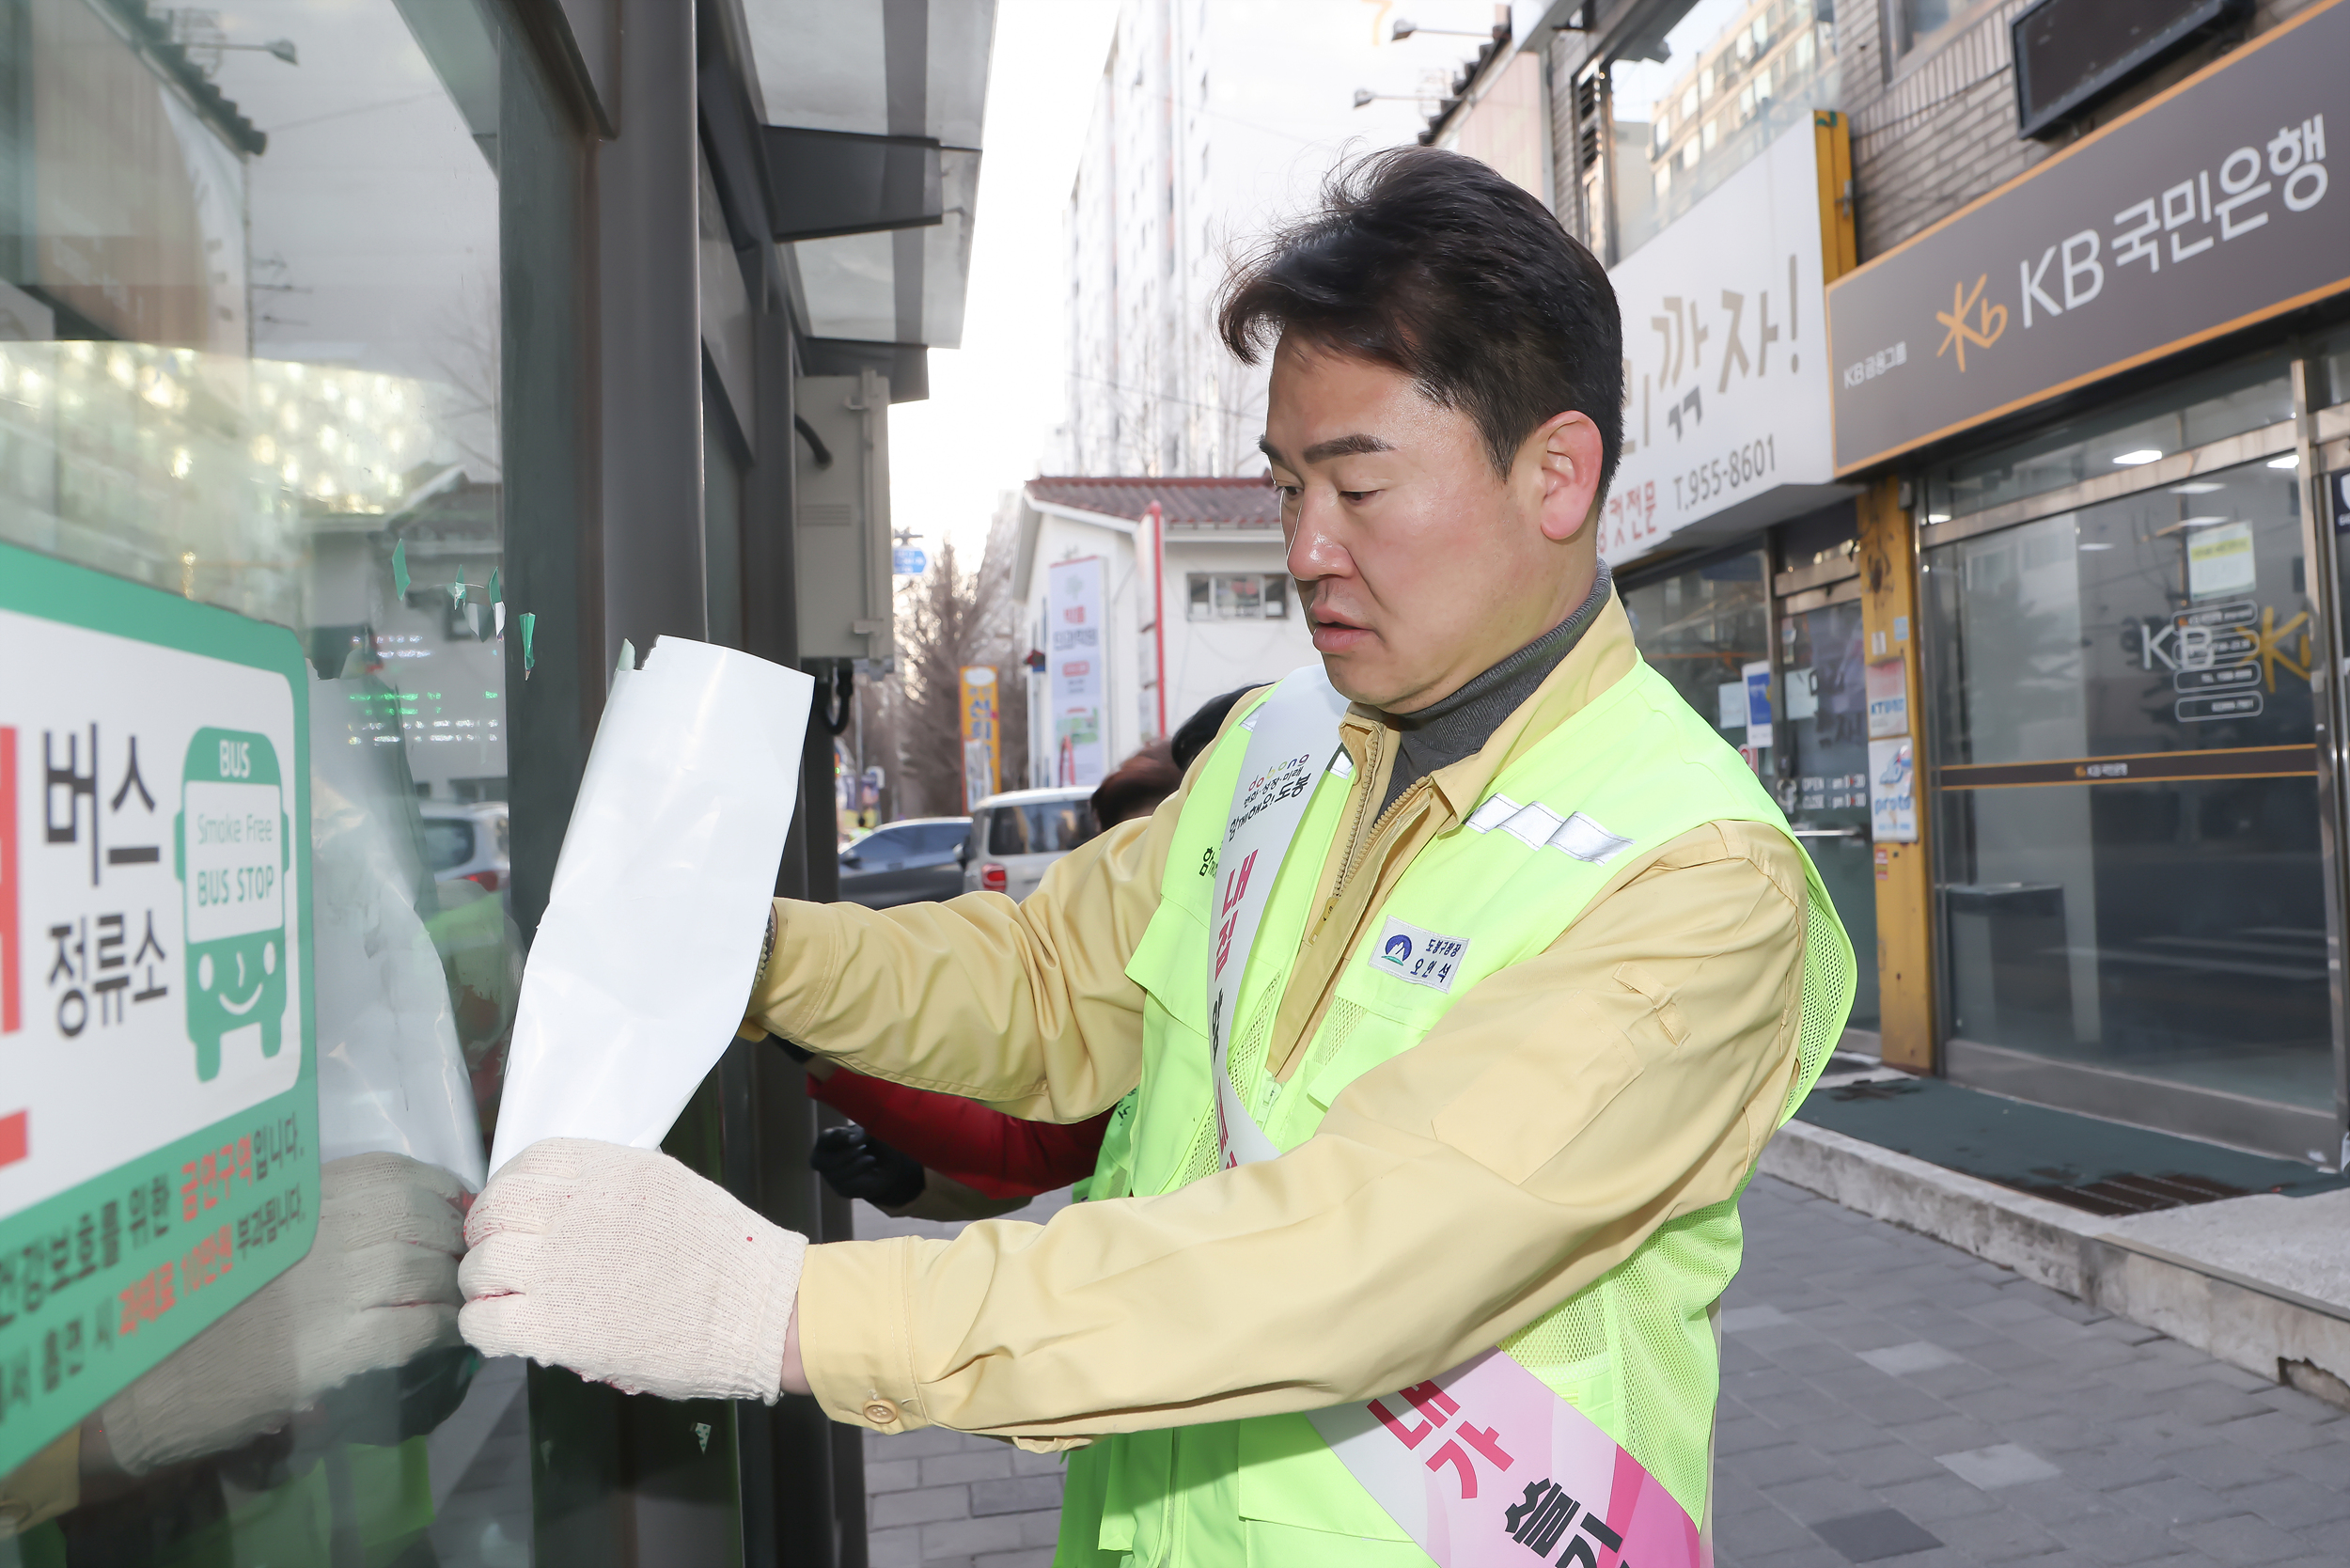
[1892, 793]
[2206, 210]
[1726, 388]
[158, 1089]
[1073, 610]
[1729, 704]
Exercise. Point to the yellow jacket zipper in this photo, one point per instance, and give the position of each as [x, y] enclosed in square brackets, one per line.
[1357, 840]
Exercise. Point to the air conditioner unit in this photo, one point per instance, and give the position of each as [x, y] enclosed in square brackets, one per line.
[2072, 53]
[841, 532]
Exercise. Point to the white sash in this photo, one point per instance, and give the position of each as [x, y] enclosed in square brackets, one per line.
[1483, 1464]
[1287, 733]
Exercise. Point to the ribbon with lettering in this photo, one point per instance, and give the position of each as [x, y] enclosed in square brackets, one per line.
[1483, 1464]
[1287, 733]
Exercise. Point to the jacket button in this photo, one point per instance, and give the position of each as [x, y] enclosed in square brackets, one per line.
[880, 1412]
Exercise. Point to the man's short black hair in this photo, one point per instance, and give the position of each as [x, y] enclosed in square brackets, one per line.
[1433, 263]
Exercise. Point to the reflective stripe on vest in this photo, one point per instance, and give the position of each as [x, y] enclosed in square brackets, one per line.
[1446, 1458]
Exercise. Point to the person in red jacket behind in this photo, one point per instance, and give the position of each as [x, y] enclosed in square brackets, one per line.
[938, 1156]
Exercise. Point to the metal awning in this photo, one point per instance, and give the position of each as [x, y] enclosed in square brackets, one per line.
[873, 144]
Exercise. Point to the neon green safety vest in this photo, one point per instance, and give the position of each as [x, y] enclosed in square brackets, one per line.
[1636, 1351]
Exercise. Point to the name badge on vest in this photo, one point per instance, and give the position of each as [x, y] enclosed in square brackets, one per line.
[1418, 957]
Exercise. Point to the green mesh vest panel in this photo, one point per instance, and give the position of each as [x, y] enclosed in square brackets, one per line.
[1635, 1351]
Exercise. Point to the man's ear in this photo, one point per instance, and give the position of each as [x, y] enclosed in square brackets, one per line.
[1569, 451]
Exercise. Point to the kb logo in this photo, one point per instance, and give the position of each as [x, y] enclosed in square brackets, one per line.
[1987, 323]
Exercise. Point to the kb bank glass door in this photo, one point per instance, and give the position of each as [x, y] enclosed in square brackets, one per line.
[2126, 810]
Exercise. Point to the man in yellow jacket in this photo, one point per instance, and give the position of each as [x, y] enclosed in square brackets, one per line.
[1451, 1002]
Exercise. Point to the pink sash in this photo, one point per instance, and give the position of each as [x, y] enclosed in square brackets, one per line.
[1485, 1465]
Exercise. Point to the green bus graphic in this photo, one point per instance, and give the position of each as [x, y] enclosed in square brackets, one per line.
[231, 845]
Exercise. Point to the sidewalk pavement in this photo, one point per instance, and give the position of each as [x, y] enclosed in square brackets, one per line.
[1887, 1397]
[936, 1498]
[2116, 1216]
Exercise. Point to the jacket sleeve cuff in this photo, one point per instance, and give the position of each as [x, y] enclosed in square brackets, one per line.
[799, 973]
[42, 1487]
[855, 1342]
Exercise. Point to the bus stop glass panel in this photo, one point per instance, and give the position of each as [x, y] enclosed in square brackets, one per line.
[251, 358]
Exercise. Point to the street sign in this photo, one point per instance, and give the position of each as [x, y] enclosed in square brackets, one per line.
[158, 1067]
[907, 561]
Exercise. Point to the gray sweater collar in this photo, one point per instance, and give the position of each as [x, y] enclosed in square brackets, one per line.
[1458, 725]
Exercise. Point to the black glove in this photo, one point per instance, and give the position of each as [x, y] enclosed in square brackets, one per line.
[855, 1164]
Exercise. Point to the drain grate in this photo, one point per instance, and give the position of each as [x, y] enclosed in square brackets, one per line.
[1872, 1088]
[2128, 1194]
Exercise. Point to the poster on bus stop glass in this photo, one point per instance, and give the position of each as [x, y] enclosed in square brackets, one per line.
[158, 1091]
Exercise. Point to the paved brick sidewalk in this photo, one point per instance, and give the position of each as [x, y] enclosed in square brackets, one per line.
[940, 1499]
[1890, 1399]
[1884, 1399]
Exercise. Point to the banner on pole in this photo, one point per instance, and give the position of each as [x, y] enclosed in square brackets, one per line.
[1078, 687]
[981, 754]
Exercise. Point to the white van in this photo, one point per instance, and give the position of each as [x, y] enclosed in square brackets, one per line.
[1015, 835]
[468, 840]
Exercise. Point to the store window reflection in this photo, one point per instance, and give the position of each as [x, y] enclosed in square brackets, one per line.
[2249, 395]
[1706, 629]
[2126, 801]
[1824, 776]
[252, 326]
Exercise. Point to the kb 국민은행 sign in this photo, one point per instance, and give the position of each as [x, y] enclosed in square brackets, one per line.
[2206, 210]
[158, 1091]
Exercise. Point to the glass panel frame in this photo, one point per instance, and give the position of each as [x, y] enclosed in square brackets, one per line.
[2250, 394]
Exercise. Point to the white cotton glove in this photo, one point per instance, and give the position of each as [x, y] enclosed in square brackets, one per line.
[629, 1269]
[377, 1288]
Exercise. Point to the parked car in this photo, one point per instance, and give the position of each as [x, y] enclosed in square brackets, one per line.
[1017, 834]
[467, 841]
[906, 862]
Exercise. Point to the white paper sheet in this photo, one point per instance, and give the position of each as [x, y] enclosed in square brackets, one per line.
[650, 938]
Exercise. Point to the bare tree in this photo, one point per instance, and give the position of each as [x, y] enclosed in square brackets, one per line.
[465, 403]
[946, 621]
